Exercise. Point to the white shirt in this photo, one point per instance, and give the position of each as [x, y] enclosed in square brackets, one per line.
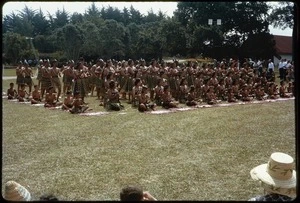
[271, 66]
[284, 64]
[280, 65]
[259, 63]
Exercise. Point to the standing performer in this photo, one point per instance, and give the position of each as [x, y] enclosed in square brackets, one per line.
[79, 83]
[39, 72]
[46, 78]
[68, 76]
[19, 74]
[55, 78]
[27, 72]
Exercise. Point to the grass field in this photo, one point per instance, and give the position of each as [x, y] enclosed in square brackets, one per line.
[205, 154]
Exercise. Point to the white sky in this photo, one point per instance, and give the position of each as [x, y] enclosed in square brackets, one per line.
[80, 7]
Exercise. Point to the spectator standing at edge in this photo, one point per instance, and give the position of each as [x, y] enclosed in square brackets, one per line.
[284, 64]
[135, 193]
[280, 69]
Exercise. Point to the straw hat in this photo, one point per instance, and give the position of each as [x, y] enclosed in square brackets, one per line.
[16, 192]
[277, 176]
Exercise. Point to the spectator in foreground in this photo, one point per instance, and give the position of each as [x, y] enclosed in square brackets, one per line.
[16, 192]
[135, 193]
[277, 178]
[48, 197]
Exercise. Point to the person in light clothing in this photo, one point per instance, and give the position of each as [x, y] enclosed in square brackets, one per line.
[277, 178]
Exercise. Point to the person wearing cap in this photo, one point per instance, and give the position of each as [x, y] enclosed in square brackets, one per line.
[277, 178]
[135, 193]
[16, 192]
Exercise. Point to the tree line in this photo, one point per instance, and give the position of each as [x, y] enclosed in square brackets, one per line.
[122, 34]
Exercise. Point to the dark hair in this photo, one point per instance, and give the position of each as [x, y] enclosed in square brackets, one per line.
[131, 193]
[11, 83]
[111, 84]
[137, 80]
[48, 198]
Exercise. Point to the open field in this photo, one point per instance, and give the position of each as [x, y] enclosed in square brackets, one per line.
[205, 154]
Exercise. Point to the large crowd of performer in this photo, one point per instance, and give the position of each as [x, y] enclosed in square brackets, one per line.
[165, 84]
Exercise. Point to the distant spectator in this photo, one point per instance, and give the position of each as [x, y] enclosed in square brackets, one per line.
[16, 192]
[277, 178]
[135, 193]
[280, 69]
[284, 66]
[290, 75]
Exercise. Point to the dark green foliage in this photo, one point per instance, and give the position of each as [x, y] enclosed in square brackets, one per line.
[122, 34]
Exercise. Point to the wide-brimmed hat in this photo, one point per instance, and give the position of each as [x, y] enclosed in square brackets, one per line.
[16, 192]
[277, 176]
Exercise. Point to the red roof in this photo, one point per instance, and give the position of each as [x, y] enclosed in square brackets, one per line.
[284, 44]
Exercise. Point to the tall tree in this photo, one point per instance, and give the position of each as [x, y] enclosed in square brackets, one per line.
[40, 23]
[70, 39]
[113, 37]
[125, 16]
[173, 37]
[60, 19]
[136, 16]
[14, 47]
[76, 18]
[239, 20]
[92, 40]
[282, 15]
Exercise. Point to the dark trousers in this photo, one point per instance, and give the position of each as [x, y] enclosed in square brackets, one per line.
[281, 73]
[284, 74]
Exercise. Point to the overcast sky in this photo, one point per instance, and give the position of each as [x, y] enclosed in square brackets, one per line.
[80, 7]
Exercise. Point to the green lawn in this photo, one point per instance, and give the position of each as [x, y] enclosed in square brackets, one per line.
[205, 154]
